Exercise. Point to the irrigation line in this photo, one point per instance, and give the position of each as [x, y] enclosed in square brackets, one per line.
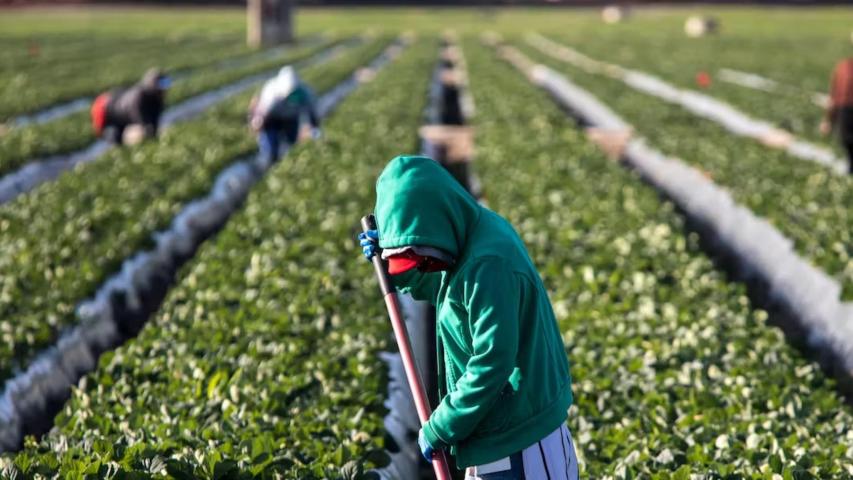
[125, 301]
[808, 299]
[37, 172]
[700, 104]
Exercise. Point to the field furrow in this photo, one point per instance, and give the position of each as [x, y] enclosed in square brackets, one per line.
[22, 145]
[27, 90]
[62, 240]
[286, 382]
[803, 200]
[675, 373]
[804, 61]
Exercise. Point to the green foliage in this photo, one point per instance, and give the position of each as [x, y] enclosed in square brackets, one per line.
[21, 145]
[675, 374]
[263, 363]
[73, 68]
[61, 241]
[804, 200]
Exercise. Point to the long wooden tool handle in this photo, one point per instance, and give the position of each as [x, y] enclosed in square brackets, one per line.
[416, 385]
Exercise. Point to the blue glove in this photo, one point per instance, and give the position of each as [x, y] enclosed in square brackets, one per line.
[369, 242]
[426, 448]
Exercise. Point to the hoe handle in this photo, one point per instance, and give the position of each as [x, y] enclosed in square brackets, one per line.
[416, 385]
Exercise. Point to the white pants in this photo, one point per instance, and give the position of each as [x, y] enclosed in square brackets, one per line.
[552, 458]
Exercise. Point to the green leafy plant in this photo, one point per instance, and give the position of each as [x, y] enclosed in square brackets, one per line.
[61, 241]
[285, 381]
[32, 81]
[25, 144]
[805, 201]
[675, 374]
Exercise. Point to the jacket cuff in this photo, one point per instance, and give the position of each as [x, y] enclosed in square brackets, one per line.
[432, 437]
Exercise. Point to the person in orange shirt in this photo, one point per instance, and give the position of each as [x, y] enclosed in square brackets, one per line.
[839, 112]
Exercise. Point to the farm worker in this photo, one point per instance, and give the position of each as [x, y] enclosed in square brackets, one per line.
[503, 374]
[140, 105]
[839, 112]
[278, 111]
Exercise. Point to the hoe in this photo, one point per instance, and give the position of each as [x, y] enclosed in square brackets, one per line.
[439, 461]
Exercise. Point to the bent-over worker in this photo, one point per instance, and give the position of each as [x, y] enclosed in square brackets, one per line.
[141, 105]
[277, 112]
[503, 374]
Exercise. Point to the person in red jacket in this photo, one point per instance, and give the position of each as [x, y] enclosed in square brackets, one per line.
[142, 104]
[839, 112]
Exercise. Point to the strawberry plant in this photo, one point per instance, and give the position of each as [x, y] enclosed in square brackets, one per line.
[55, 252]
[803, 200]
[263, 361]
[675, 374]
[766, 46]
[286, 381]
[25, 144]
[38, 84]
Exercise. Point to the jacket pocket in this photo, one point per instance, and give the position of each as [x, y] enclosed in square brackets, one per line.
[510, 408]
[456, 330]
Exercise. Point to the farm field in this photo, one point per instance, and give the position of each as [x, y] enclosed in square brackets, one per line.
[600, 238]
[263, 361]
[328, 377]
[111, 224]
[32, 143]
[803, 61]
[803, 199]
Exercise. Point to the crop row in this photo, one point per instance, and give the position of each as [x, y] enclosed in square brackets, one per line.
[35, 56]
[64, 239]
[98, 54]
[286, 381]
[808, 63]
[33, 38]
[74, 132]
[26, 90]
[674, 372]
[803, 200]
[81, 26]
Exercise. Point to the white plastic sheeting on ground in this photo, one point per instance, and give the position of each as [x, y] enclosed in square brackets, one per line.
[32, 397]
[27, 398]
[700, 104]
[757, 82]
[43, 170]
[52, 113]
[762, 253]
[402, 422]
[80, 104]
[198, 104]
[35, 173]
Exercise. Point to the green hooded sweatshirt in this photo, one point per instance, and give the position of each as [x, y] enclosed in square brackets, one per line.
[504, 378]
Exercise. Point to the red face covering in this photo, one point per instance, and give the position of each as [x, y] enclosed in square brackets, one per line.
[403, 262]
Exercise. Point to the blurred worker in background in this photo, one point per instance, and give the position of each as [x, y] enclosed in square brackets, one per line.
[278, 111]
[139, 107]
[503, 374]
[839, 112]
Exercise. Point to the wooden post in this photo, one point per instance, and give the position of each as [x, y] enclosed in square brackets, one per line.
[270, 22]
